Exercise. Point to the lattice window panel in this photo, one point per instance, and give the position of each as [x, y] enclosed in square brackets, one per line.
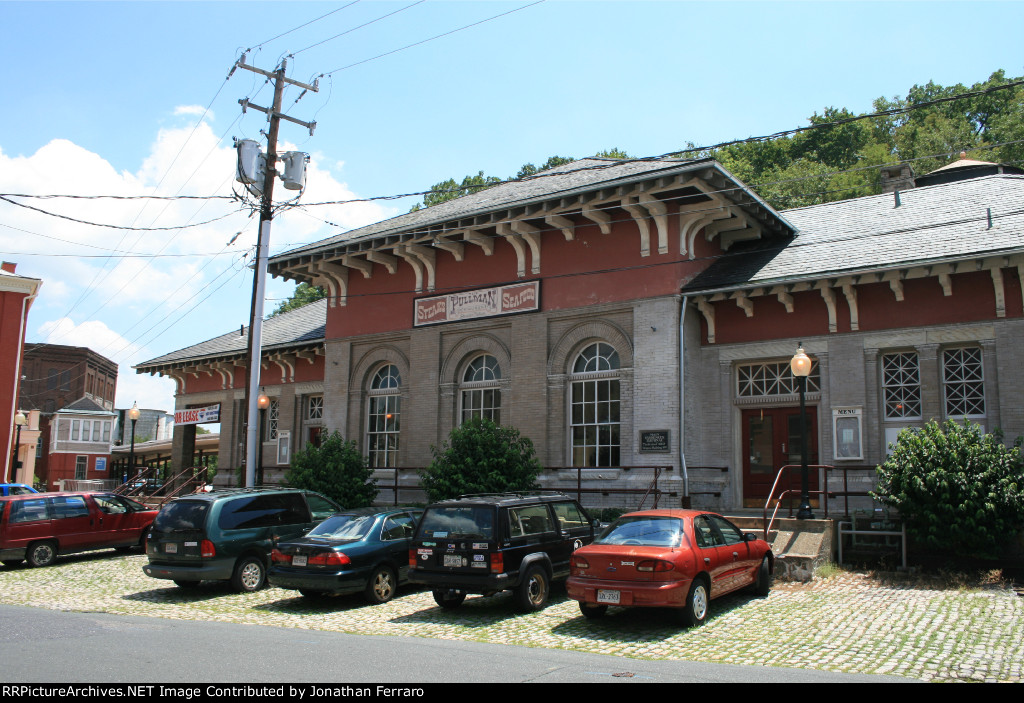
[901, 385]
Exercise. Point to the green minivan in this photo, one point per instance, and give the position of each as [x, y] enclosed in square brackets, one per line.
[227, 535]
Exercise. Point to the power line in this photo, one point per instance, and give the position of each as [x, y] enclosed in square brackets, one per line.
[306, 24]
[365, 24]
[424, 41]
[122, 227]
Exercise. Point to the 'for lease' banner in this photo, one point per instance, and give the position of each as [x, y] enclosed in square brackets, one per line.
[197, 416]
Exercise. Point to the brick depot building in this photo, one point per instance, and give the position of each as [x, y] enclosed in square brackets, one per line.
[632, 314]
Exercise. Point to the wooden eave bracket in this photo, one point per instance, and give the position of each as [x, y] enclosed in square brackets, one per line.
[362, 265]
[895, 280]
[532, 236]
[335, 279]
[386, 260]
[782, 293]
[428, 258]
[850, 292]
[560, 222]
[707, 309]
[505, 231]
[829, 296]
[453, 247]
[995, 268]
[480, 239]
[414, 262]
[744, 302]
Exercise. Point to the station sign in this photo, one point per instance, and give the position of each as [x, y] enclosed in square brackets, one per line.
[473, 304]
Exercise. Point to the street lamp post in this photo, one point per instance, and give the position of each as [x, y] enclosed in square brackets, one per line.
[800, 364]
[263, 402]
[133, 415]
[19, 421]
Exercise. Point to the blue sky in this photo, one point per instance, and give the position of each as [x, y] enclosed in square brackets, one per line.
[106, 98]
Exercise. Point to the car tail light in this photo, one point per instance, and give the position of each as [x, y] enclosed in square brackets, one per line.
[330, 559]
[277, 556]
[497, 563]
[412, 558]
[579, 563]
[206, 549]
[655, 565]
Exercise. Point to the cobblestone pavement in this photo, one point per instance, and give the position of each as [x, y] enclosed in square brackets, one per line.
[851, 622]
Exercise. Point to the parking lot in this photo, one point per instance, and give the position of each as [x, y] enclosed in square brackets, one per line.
[851, 622]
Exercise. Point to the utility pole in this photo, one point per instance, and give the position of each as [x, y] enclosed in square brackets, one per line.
[253, 442]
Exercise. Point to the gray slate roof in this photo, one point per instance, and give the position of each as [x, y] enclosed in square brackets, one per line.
[931, 225]
[85, 405]
[297, 327]
[577, 177]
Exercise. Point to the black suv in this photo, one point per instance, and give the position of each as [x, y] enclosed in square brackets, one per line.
[495, 542]
[227, 535]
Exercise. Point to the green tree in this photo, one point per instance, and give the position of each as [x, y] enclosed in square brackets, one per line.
[335, 469]
[613, 153]
[481, 457]
[957, 490]
[304, 295]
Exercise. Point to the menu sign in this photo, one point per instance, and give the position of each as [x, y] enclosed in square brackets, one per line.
[472, 304]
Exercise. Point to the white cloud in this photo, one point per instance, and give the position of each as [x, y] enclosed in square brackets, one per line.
[194, 111]
[173, 290]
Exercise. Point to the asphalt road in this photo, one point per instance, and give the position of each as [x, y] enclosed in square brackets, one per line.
[38, 645]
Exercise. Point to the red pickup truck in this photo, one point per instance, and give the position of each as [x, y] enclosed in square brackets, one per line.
[39, 526]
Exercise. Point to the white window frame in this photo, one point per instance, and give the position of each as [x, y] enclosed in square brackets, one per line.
[481, 386]
[966, 378]
[586, 380]
[384, 403]
[901, 385]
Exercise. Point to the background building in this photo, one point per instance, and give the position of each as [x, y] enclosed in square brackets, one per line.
[16, 296]
[57, 376]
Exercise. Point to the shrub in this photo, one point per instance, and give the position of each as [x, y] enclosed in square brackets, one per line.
[481, 457]
[958, 490]
[335, 469]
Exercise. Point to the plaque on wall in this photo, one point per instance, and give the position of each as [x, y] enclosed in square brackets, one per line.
[655, 441]
[474, 304]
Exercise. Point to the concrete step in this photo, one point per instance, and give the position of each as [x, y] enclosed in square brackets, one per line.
[799, 546]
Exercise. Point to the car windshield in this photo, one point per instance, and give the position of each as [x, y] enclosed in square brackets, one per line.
[348, 527]
[646, 531]
[458, 521]
[181, 515]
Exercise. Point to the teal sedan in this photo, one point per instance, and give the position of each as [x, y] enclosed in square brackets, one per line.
[355, 551]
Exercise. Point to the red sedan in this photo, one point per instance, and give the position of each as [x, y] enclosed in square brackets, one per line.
[677, 559]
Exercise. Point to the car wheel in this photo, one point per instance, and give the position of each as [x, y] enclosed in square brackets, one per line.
[763, 584]
[592, 612]
[41, 553]
[250, 575]
[187, 584]
[381, 586]
[532, 593]
[448, 599]
[695, 612]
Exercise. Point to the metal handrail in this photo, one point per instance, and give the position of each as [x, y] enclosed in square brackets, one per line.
[766, 523]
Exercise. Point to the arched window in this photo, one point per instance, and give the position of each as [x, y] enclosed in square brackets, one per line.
[594, 407]
[481, 396]
[384, 416]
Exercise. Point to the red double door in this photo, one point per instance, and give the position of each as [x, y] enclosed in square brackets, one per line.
[771, 439]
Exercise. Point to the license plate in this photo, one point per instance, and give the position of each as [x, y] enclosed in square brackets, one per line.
[452, 560]
[298, 560]
[608, 597]
[171, 548]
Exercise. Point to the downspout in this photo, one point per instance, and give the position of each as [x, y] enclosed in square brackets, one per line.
[682, 395]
